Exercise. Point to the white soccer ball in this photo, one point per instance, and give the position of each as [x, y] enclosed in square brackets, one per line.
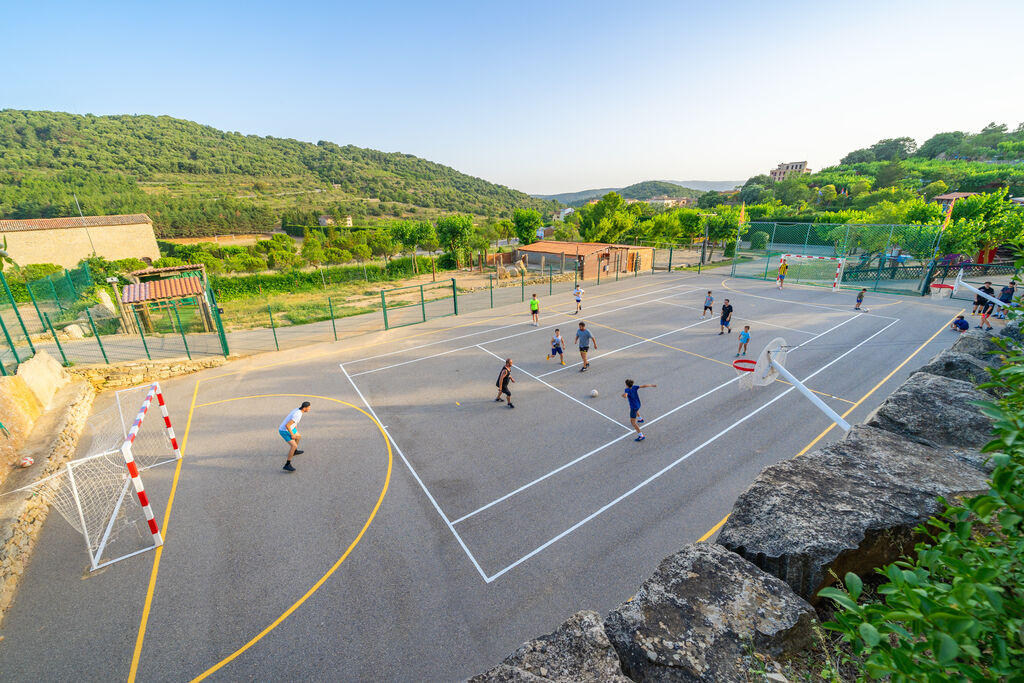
[27, 461]
[593, 393]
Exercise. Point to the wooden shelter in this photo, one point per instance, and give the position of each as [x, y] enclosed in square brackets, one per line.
[173, 287]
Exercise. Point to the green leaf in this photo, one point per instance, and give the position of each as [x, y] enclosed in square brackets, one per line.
[838, 596]
[869, 634]
[854, 585]
[945, 648]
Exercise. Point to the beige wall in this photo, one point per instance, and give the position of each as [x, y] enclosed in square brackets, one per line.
[67, 246]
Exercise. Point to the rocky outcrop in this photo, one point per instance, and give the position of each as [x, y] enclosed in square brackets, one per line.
[851, 506]
[959, 366]
[935, 411]
[698, 617]
[976, 343]
[1012, 330]
[577, 652]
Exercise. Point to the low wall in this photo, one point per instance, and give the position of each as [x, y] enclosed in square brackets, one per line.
[122, 375]
[721, 611]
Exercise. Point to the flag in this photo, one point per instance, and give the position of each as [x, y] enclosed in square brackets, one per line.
[945, 224]
[743, 212]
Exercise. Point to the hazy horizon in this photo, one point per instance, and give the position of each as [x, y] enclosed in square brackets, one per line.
[544, 99]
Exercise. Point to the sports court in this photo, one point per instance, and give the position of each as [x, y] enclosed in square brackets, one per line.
[429, 529]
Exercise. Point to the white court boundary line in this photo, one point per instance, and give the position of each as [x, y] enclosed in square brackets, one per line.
[613, 441]
[801, 303]
[508, 336]
[517, 324]
[739, 317]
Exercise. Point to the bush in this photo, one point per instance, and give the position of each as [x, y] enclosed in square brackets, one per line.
[730, 249]
[759, 240]
[446, 261]
[955, 612]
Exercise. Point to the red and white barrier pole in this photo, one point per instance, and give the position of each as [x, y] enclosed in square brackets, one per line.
[167, 421]
[133, 470]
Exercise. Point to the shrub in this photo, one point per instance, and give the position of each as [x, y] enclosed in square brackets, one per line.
[167, 261]
[759, 240]
[446, 261]
[730, 249]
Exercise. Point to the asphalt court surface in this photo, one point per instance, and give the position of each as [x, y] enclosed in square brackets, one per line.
[544, 510]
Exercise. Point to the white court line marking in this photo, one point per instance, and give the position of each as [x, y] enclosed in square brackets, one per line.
[560, 391]
[802, 303]
[739, 317]
[417, 477]
[668, 467]
[503, 327]
[623, 348]
[648, 422]
[508, 336]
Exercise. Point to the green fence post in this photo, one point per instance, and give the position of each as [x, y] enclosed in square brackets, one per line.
[181, 330]
[10, 343]
[576, 276]
[670, 259]
[220, 323]
[384, 308]
[39, 313]
[273, 328]
[455, 297]
[334, 327]
[551, 280]
[522, 284]
[17, 312]
[807, 237]
[767, 263]
[96, 334]
[60, 348]
[3, 372]
[56, 297]
[490, 282]
[423, 304]
[71, 283]
[138, 324]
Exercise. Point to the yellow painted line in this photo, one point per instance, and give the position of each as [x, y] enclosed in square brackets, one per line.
[316, 586]
[151, 588]
[711, 532]
[713, 360]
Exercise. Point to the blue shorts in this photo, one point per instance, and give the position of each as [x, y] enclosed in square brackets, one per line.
[556, 350]
[634, 412]
[285, 435]
[782, 277]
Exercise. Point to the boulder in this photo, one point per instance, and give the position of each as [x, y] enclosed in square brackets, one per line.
[960, 366]
[44, 376]
[977, 343]
[935, 411]
[850, 506]
[702, 615]
[74, 331]
[105, 303]
[1012, 330]
[578, 651]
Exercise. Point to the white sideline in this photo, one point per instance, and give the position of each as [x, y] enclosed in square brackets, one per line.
[739, 317]
[803, 303]
[508, 336]
[416, 476]
[571, 398]
[616, 440]
[671, 465]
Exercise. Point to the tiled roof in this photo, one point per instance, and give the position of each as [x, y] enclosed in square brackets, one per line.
[556, 247]
[171, 288]
[71, 222]
[954, 195]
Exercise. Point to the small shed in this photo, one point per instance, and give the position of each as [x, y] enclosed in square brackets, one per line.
[590, 257]
[155, 291]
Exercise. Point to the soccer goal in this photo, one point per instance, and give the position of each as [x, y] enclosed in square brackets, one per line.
[102, 495]
[824, 271]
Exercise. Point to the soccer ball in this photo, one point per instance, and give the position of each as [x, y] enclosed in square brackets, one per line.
[593, 393]
[27, 461]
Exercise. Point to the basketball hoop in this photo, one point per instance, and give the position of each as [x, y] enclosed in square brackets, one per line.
[745, 369]
[941, 291]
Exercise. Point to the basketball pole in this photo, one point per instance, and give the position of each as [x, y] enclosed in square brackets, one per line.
[960, 283]
[822, 406]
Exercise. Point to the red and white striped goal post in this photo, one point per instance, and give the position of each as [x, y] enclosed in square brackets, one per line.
[840, 261]
[129, 459]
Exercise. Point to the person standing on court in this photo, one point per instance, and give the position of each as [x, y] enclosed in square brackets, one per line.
[535, 309]
[504, 377]
[979, 300]
[708, 305]
[725, 324]
[584, 339]
[632, 394]
[783, 269]
[578, 293]
[289, 431]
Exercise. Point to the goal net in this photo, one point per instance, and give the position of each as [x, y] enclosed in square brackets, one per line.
[101, 494]
[823, 271]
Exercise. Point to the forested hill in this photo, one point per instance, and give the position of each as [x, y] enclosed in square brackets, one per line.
[194, 179]
[643, 190]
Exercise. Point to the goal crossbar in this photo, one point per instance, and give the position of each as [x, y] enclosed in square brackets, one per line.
[838, 260]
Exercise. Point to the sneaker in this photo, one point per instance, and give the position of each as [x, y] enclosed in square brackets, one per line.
[299, 452]
[497, 400]
[547, 357]
[737, 355]
[563, 362]
[977, 327]
[720, 334]
[639, 420]
[511, 406]
[988, 329]
[640, 438]
[288, 467]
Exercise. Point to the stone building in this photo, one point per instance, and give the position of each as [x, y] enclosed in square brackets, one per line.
[66, 241]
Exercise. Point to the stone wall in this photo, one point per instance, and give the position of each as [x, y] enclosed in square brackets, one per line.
[67, 246]
[852, 506]
[121, 375]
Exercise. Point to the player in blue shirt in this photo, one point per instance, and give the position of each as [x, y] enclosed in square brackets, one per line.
[960, 324]
[744, 340]
[632, 394]
[708, 302]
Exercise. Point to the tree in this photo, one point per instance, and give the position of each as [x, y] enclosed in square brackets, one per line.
[525, 223]
[566, 232]
[381, 243]
[753, 193]
[454, 232]
[899, 148]
[827, 194]
[505, 229]
[858, 156]
[761, 179]
[792, 190]
[709, 200]
[889, 174]
[859, 187]
[941, 143]
[313, 250]
[932, 190]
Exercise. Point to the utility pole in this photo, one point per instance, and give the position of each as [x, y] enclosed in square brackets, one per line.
[82, 216]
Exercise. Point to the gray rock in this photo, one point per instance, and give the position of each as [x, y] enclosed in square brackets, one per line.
[977, 343]
[702, 615]
[935, 411]
[1012, 330]
[576, 652]
[850, 506]
[960, 366]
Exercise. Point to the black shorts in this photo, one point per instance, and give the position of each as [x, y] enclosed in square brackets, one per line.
[708, 308]
[584, 349]
[503, 388]
[533, 312]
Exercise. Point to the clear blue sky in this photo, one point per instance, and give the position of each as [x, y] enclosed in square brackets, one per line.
[541, 96]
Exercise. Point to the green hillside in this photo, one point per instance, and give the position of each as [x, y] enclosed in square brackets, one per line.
[642, 190]
[197, 180]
